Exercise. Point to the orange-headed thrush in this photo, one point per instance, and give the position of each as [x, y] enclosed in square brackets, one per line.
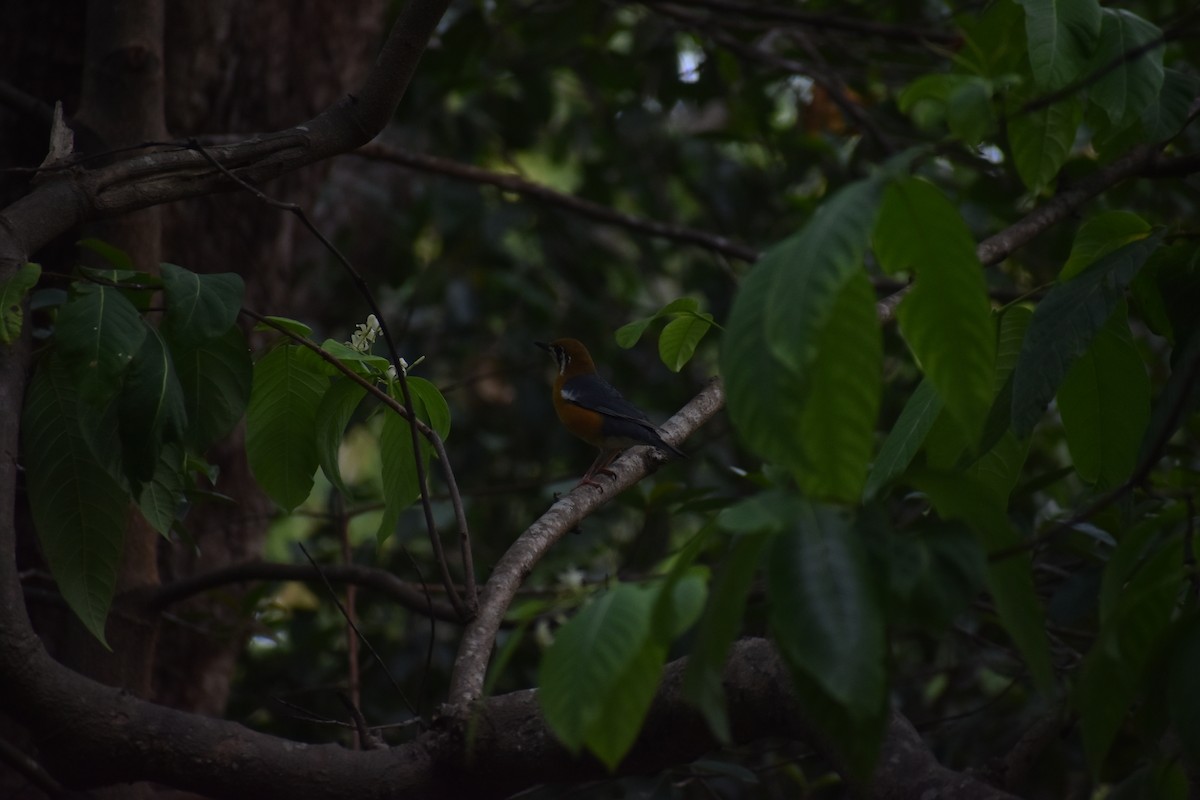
[593, 410]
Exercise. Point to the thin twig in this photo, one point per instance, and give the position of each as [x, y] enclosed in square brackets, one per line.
[366, 642]
[416, 598]
[342, 524]
[811, 19]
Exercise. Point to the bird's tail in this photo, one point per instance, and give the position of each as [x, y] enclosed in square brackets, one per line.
[662, 444]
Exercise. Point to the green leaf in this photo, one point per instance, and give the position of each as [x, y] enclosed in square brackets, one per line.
[581, 674]
[1127, 91]
[433, 408]
[809, 273]
[1061, 35]
[288, 324]
[946, 318]
[12, 296]
[151, 406]
[836, 435]
[1041, 138]
[620, 721]
[335, 410]
[1163, 118]
[905, 438]
[828, 622]
[1010, 580]
[927, 99]
[1134, 546]
[679, 339]
[823, 609]
[99, 332]
[719, 625]
[1115, 668]
[216, 377]
[281, 423]
[348, 355]
[200, 307]
[79, 509]
[969, 111]
[400, 486]
[1101, 235]
[628, 335]
[1104, 401]
[159, 498]
[1064, 325]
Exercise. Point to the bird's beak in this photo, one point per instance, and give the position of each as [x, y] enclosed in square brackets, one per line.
[543, 345]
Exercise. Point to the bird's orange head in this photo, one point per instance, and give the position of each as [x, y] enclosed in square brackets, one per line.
[571, 357]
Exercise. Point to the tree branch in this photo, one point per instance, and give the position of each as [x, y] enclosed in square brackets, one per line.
[536, 191]
[475, 649]
[78, 194]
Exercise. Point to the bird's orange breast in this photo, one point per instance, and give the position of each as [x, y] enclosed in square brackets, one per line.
[584, 423]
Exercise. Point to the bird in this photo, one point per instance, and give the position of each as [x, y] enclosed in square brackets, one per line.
[589, 407]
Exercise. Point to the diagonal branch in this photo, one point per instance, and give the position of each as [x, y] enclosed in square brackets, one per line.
[475, 649]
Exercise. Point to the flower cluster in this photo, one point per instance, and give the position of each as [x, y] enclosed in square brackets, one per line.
[365, 335]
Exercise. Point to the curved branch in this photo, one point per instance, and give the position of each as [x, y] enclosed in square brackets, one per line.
[405, 593]
[78, 194]
[475, 649]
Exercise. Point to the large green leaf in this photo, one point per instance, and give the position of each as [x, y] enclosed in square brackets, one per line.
[1115, 668]
[1010, 580]
[828, 621]
[200, 307]
[1164, 117]
[1064, 325]
[1105, 405]
[905, 439]
[151, 406]
[620, 721]
[809, 273]
[719, 625]
[99, 332]
[1041, 138]
[832, 446]
[761, 393]
[216, 377]
[824, 610]
[335, 410]
[1061, 35]
[12, 295]
[281, 425]
[1127, 91]
[79, 509]
[946, 318]
[581, 674]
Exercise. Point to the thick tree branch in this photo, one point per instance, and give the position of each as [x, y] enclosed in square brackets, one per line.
[80, 194]
[475, 649]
